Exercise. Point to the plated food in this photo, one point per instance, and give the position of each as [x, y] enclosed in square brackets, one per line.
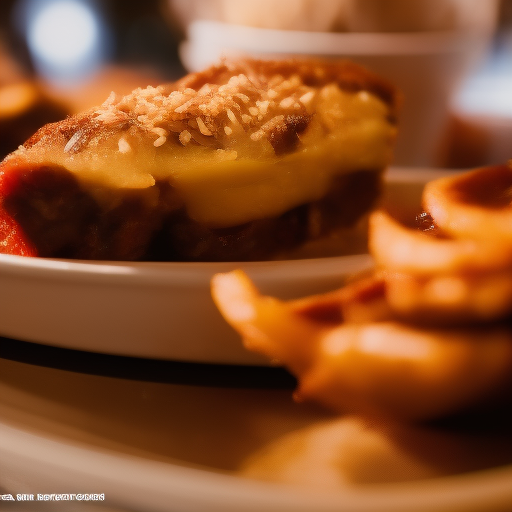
[242, 161]
[426, 334]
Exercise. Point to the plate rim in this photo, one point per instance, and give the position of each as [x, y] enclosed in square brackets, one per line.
[175, 483]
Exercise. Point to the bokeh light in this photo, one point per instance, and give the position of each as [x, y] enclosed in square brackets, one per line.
[66, 38]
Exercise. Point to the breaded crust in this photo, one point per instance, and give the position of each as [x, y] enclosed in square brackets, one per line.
[263, 96]
[313, 72]
[244, 160]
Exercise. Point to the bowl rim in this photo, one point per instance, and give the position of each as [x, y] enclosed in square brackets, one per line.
[263, 40]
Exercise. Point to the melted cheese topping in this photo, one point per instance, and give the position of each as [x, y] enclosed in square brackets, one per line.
[246, 180]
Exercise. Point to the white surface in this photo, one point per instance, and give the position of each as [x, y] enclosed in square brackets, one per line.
[484, 103]
[158, 310]
[342, 15]
[47, 464]
[150, 310]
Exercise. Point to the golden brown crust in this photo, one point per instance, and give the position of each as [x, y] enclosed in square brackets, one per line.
[267, 99]
[312, 72]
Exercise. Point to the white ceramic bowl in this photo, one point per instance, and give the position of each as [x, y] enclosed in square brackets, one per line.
[154, 310]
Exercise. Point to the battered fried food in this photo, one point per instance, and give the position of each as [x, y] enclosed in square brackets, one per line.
[371, 361]
[397, 247]
[460, 269]
[477, 204]
[427, 334]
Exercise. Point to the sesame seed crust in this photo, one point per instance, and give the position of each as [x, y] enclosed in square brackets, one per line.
[211, 107]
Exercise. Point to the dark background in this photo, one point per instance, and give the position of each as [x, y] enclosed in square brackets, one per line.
[143, 34]
[141, 30]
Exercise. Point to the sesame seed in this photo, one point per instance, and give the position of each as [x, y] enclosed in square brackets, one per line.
[257, 135]
[263, 106]
[123, 145]
[183, 108]
[202, 127]
[269, 125]
[305, 99]
[73, 141]
[231, 116]
[287, 102]
[243, 97]
[185, 137]
[160, 141]
[162, 132]
[234, 103]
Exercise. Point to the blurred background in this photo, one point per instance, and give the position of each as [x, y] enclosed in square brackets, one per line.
[452, 59]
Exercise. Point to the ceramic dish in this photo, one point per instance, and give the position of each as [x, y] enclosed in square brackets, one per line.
[161, 310]
[47, 465]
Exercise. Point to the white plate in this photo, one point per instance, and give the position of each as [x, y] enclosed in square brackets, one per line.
[157, 447]
[160, 310]
[47, 465]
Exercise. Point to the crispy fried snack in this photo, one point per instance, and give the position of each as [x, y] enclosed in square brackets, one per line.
[460, 268]
[426, 335]
[477, 204]
[351, 354]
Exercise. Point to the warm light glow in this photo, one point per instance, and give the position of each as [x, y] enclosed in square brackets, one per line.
[16, 98]
[387, 341]
[382, 341]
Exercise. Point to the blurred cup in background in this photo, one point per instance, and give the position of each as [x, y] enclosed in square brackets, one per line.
[425, 47]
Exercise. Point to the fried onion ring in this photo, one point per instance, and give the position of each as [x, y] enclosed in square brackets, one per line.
[427, 334]
[476, 204]
[451, 298]
[407, 250]
[385, 368]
